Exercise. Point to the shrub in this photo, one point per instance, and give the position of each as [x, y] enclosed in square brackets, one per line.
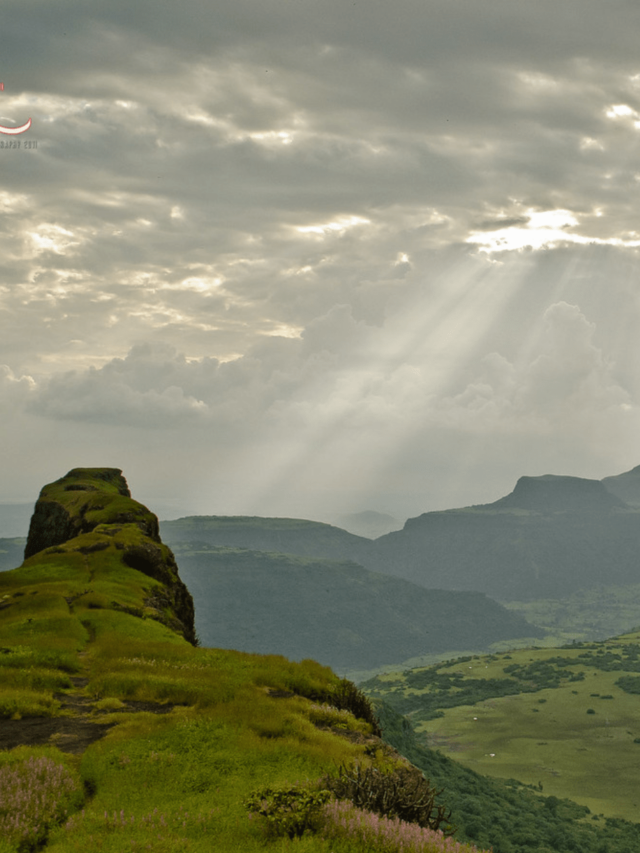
[328, 715]
[288, 811]
[17, 703]
[590, 711]
[402, 793]
[347, 697]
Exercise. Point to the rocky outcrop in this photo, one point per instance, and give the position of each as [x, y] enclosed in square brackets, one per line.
[553, 493]
[79, 502]
[90, 510]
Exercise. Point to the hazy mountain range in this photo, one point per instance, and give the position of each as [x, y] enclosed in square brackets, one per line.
[549, 537]
[309, 589]
[336, 612]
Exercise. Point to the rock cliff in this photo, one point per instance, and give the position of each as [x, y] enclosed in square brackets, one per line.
[91, 510]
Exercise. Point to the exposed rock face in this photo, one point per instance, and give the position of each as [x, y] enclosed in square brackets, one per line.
[97, 501]
[78, 502]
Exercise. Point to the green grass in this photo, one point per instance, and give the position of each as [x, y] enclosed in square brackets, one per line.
[543, 737]
[232, 723]
[591, 614]
[225, 736]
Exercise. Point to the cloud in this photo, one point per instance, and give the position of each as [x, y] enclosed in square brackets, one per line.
[350, 232]
[139, 390]
[565, 385]
[337, 372]
[14, 391]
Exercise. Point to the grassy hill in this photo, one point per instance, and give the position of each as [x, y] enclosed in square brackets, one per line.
[335, 612]
[118, 733]
[549, 538]
[566, 721]
[283, 535]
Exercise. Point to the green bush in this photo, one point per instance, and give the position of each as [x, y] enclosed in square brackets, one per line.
[289, 811]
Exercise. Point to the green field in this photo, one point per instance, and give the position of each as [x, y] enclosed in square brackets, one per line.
[556, 719]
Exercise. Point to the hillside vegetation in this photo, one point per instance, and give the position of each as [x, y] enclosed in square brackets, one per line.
[335, 612]
[506, 814]
[551, 550]
[566, 721]
[119, 733]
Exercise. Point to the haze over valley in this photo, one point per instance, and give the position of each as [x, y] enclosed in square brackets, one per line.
[553, 561]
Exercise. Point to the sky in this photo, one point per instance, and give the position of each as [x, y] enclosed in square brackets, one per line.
[311, 257]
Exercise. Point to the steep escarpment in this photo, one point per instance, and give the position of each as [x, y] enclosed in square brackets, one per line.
[551, 536]
[80, 501]
[553, 493]
[90, 510]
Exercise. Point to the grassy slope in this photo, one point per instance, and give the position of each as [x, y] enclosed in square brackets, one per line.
[505, 814]
[338, 613]
[72, 612]
[176, 781]
[543, 737]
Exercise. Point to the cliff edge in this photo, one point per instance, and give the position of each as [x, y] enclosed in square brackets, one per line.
[91, 510]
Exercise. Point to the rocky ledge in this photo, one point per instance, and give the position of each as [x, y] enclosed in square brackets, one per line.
[91, 510]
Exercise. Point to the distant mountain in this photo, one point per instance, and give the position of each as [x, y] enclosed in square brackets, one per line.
[370, 524]
[551, 493]
[625, 486]
[335, 612]
[550, 537]
[284, 535]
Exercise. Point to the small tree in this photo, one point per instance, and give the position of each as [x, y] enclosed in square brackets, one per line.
[288, 811]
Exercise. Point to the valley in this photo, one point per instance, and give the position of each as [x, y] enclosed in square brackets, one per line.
[532, 746]
[565, 721]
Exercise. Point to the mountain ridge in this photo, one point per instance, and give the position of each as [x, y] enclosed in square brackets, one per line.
[339, 613]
